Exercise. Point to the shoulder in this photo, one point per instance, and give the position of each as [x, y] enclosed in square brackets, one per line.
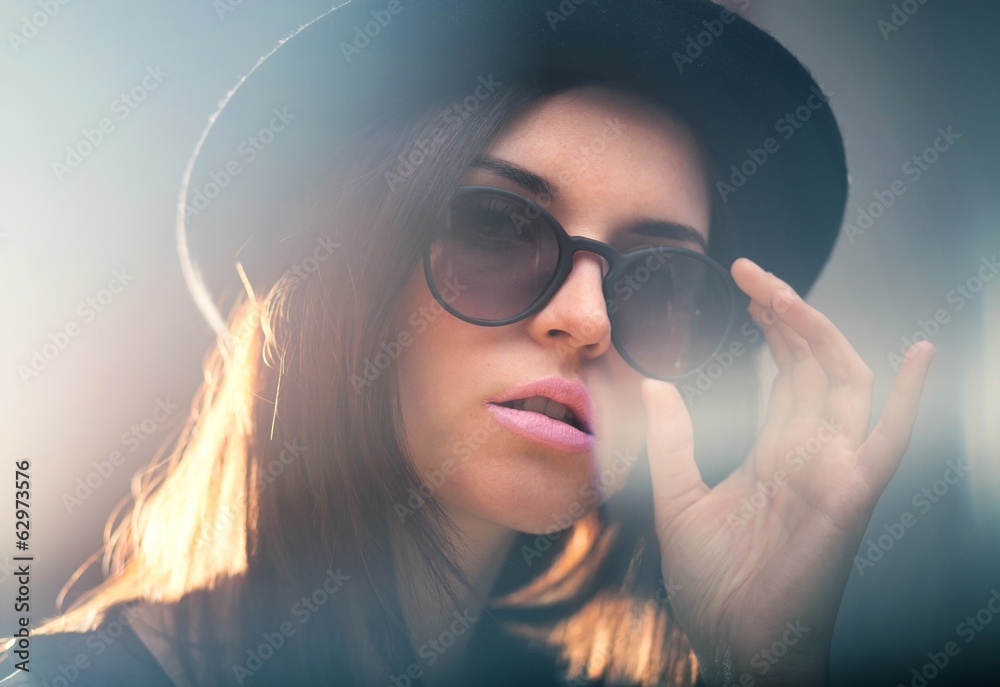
[107, 656]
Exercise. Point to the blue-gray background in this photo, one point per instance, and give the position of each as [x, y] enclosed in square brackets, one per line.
[63, 236]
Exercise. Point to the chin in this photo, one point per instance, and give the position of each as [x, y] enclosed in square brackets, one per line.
[536, 493]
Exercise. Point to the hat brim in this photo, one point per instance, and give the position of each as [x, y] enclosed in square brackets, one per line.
[778, 157]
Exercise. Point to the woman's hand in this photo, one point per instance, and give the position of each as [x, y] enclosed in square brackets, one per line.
[758, 588]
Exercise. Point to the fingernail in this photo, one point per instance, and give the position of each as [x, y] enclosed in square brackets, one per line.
[912, 350]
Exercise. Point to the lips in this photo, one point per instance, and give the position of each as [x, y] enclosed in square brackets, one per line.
[553, 411]
[547, 406]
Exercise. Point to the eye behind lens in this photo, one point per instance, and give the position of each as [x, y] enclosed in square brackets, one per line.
[495, 220]
[671, 310]
[502, 247]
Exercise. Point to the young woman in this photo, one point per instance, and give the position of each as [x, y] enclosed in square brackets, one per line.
[445, 437]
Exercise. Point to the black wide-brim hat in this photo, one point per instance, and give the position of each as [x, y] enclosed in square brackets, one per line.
[779, 170]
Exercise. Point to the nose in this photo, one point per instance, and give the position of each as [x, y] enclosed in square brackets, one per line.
[576, 319]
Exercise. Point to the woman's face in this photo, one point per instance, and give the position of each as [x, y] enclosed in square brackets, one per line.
[612, 162]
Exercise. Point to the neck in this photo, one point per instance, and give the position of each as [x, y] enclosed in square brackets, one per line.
[439, 629]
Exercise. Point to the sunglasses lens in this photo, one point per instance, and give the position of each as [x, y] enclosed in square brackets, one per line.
[497, 254]
[669, 312]
[494, 258]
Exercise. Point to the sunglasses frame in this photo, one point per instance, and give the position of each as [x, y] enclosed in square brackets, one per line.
[618, 263]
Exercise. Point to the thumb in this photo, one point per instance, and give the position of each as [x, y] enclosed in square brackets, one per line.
[676, 479]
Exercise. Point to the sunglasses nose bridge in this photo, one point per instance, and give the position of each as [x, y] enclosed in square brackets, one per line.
[581, 244]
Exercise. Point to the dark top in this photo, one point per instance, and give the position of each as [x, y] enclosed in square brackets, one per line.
[88, 659]
[96, 659]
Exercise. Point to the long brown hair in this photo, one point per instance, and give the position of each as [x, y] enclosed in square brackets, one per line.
[284, 478]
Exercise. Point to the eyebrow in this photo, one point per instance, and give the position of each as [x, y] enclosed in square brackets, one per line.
[546, 190]
[670, 230]
[538, 185]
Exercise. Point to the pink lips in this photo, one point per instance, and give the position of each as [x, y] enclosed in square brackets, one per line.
[541, 428]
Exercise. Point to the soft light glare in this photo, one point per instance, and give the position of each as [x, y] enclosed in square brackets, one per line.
[982, 411]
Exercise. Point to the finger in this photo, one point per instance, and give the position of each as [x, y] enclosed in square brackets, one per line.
[806, 378]
[766, 319]
[828, 344]
[677, 481]
[849, 380]
[880, 454]
[781, 400]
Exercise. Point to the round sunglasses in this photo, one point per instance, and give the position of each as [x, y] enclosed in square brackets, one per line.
[500, 258]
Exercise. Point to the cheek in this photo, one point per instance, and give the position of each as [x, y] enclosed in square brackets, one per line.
[432, 370]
